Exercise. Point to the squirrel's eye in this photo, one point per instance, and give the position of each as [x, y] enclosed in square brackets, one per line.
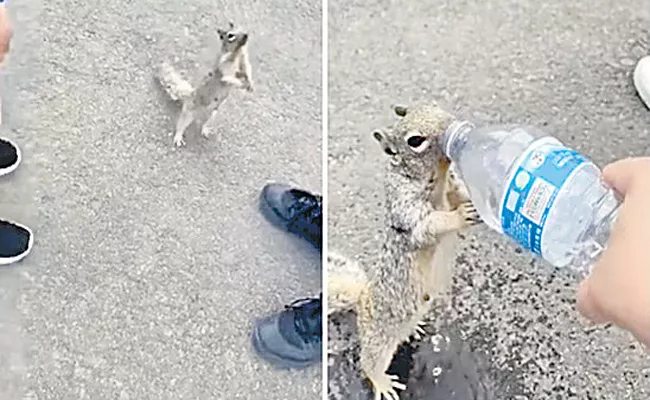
[231, 37]
[416, 141]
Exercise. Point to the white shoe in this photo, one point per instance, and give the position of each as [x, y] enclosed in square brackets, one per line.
[642, 80]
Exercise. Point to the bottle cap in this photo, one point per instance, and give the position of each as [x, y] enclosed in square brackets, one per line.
[454, 129]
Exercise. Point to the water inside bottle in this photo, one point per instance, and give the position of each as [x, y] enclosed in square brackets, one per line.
[578, 224]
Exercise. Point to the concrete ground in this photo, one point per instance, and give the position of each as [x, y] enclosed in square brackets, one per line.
[151, 263]
[565, 66]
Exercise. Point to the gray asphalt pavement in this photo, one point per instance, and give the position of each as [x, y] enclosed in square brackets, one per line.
[565, 66]
[151, 263]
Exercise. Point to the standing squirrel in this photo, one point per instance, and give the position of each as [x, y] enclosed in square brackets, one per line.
[426, 205]
[231, 69]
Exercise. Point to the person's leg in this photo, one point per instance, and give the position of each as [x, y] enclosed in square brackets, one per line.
[642, 80]
[295, 210]
[292, 338]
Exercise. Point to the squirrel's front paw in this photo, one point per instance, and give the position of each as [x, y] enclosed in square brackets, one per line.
[384, 386]
[468, 214]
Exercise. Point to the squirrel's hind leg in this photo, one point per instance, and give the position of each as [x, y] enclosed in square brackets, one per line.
[185, 119]
[376, 355]
[419, 330]
[379, 341]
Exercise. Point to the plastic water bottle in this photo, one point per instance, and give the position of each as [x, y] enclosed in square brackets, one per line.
[527, 185]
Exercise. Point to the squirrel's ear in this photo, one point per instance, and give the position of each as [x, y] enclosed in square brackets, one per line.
[379, 136]
[400, 110]
[231, 25]
[221, 33]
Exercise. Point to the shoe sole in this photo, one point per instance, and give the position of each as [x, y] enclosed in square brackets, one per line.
[19, 158]
[30, 243]
[274, 359]
[271, 216]
[642, 80]
[268, 212]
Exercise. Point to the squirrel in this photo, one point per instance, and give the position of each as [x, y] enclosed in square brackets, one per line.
[199, 105]
[426, 206]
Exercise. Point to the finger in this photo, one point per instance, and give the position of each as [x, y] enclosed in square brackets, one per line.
[622, 174]
[586, 304]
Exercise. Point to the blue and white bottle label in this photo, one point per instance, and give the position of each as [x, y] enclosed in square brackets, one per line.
[530, 194]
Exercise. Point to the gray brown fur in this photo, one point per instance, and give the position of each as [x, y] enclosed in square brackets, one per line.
[425, 208]
[199, 105]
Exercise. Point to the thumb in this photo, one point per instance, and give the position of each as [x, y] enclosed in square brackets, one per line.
[622, 174]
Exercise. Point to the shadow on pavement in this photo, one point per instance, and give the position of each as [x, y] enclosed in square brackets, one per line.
[439, 366]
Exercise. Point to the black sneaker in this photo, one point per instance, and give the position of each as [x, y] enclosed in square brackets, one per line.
[292, 338]
[295, 210]
[10, 157]
[16, 242]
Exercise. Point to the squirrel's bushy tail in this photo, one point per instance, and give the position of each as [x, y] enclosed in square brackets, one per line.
[176, 87]
[347, 283]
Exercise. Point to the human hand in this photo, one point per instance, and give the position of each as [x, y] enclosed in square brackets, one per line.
[6, 32]
[618, 288]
